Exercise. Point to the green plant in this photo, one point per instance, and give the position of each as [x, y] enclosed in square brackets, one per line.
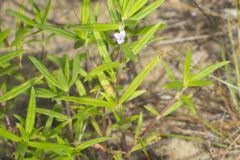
[83, 98]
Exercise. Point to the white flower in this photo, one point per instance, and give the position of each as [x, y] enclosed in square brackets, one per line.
[120, 36]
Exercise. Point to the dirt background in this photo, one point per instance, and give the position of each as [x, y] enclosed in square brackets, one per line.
[199, 24]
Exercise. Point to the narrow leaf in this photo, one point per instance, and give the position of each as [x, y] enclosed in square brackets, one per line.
[8, 135]
[30, 119]
[187, 66]
[174, 85]
[136, 94]
[113, 12]
[102, 48]
[172, 108]
[19, 89]
[7, 57]
[95, 27]
[46, 11]
[187, 100]
[138, 80]
[147, 10]
[207, 71]
[85, 14]
[139, 126]
[168, 71]
[127, 51]
[80, 88]
[75, 69]
[87, 101]
[50, 146]
[101, 68]
[44, 93]
[137, 6]
[52, 113]
[45, 72]
[145, 39]
[199, 83]
[4, 35]
[89, 143]
[152, 110]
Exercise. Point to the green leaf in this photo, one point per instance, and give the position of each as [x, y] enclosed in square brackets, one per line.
[19, 89]
[7, 57]
[188, 101]
[149, 140]
[8, 135]
[67, 69]
[51, 146]
[8, 70]
[85, 13]
[152, 110]
[45, 27]
[19, 39]
[127, 7]
[119, 6]
[36, 12]
[127, 51]
[89, 143]
[98, 27]
[138, 80]
[95, 15]
[44, 93]
[96, 126]
[145, 39]
[22, 131]
[45, 72]
[137, 6]
[101, 68]
[136, 94]
[58, 128]
[102, 48]
[187, 66]
[145, 29]
[20, 149]
[139, 126]
[174, 85]
[21, 17]
[75, 69]
[105, 83]
[172, 108]
[147, 10]
[31, 112]
[168, 71]
[198, 83]
[80, 88]
[87, 101]
[207, 71]
[112, 12]
[4, 35]
[60, 77]
[52, 113]
[57, 31]
[46, 11]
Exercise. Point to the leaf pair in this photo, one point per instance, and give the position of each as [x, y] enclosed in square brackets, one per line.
[51, 29]
[63, 80]
[191, 80]
[138, 10]
[29, 123]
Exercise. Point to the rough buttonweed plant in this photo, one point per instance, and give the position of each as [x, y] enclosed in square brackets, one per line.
[88, 104]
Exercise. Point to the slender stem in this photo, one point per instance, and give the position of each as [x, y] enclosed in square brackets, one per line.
[68, 112]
